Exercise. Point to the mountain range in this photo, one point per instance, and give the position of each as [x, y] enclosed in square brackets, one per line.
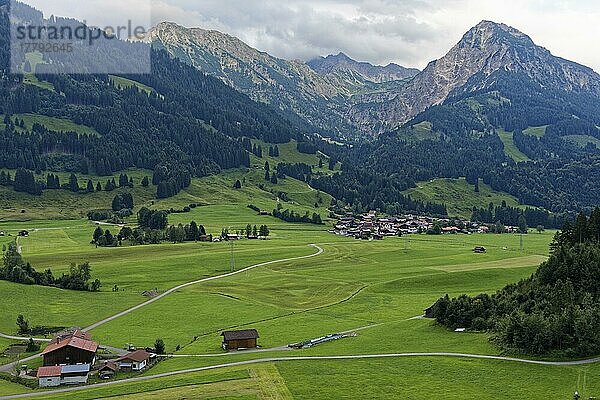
[374, 73]
[496, 107]
[320, 92]
[345, 98]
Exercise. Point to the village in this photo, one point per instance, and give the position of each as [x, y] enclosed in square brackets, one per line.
[369, 226]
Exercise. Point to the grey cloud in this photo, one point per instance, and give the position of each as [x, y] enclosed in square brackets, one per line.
[408, 32]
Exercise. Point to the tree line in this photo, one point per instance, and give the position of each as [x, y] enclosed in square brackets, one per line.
[554, 312]
[15, 269]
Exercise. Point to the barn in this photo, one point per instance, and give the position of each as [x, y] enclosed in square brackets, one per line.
[236, 340]
[70, 350]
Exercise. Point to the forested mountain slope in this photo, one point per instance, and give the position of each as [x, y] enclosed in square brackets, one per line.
[189, 125]
[320, 97]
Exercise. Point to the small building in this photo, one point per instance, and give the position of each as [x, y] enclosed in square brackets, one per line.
[70, 350]
[2, 233]
[74, 374]
[205, 238]
[237, 340]
[232, 236]
[108, 370]
[23, 233]
[479, 250]
[135, 361]
[49, 376]
[56, 375]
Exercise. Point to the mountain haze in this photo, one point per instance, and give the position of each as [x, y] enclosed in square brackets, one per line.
[374, 73]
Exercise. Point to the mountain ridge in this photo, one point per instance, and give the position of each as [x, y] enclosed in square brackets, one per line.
[375, 73]
[321, 100]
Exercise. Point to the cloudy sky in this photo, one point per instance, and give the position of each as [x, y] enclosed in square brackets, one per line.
[408, 32]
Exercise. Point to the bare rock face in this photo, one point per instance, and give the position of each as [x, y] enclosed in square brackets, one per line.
[322, 100]
[470, 65]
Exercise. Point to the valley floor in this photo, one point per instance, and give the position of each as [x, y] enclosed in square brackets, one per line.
[372, 288]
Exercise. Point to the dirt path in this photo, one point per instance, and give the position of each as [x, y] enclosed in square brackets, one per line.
[212, 278]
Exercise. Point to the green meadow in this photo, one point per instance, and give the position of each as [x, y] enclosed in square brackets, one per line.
[510, 148]
[376, 289]
[459, 196]
[373, 288]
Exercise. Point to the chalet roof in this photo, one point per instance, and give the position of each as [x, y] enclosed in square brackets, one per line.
[71, 333]
[137, 356]
[72, 341]
[240, 335]
[49, 372]
[110, 366]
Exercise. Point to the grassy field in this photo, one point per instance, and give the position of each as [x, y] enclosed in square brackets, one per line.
[351, 285]
[373, 288]
[52, 123]
[583, 140]
[421, 131]
[31, 79]
[537, 131]
[510, 148]
[124, 83]
[459, 196]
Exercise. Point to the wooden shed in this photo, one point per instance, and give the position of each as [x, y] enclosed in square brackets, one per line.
[236, 340]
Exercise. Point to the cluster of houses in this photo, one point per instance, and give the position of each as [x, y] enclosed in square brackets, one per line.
[72, 356]
[369, 226]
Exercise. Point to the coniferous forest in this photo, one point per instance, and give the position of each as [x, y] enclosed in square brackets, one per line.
[193, 125]
[554, 312]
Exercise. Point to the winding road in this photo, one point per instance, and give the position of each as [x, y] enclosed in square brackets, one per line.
[261, 360]
[307, 358]
[7, 367]
[212, 278]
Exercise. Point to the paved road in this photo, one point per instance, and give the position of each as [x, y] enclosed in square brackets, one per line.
[300, 358]
[212, 278]
[2, 335]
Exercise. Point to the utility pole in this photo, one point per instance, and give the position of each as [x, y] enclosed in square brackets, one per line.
[521, 241]
[232, 259]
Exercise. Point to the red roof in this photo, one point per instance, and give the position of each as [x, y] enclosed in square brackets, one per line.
[78, 343]
[137, 356]
[49, 372]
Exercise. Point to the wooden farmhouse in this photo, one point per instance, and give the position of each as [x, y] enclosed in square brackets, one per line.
[135, 361]
[237, 340]
[70, 349]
